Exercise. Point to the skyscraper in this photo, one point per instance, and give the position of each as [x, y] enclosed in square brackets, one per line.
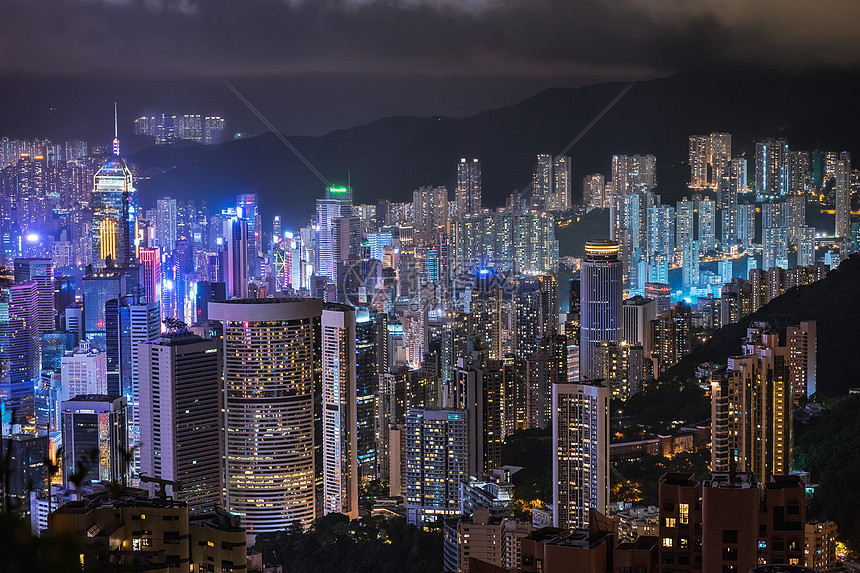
[580, 439]
[594, 192]
[468, 194]
[435, 463]
[180, 417]
[165, 224]
[246, 206]
[338, 203]
[95, 424]
[601, 291]
[236, 257]
[128, 322]
[698, 161]
[114, 207]
[269, 365]
[340, 447]
[770, 162]
[83, 371]
[40, 271]
[150, 274]
[842, 190]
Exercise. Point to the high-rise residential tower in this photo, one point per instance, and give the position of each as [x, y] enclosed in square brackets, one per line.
[468, 194]
[580, 465]
[842, 190]
[340, 447]
[268, 349]
[435, 463]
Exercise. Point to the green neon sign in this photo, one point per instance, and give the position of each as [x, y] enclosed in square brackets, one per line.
[337, 190]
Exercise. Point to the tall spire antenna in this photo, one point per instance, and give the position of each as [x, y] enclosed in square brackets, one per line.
[115, 132]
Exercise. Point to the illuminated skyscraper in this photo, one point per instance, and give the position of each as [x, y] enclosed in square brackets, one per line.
[842, 190]
[601, 292]
[95, 423]
[770, 164]
[40, 271]
[698, 161]
[594, 192]
[269, 365]
[180, 417]
[114, 207]
[468, 194]
[340, 448]
[338, 203]
[150, 274]
[129, 322]
[165, 224]
[633, 173]
[246, 206]
[236, 257]
[707, 227]
[436, 463]
[580, 465]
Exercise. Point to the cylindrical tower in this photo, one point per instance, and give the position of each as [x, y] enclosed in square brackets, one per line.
[601, 283]
[268, 382]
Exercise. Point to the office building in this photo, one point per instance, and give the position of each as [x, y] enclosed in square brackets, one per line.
[95, 440]
[83, 371]
[436, 462]
[338, 203]
[601, 287]
[339, 407]
[246, 208]
[180, 418]
[150, 274]
[40, 271]
[114, 209]
[99, 288]
[236, 257]
[268, 351]
[580, 466]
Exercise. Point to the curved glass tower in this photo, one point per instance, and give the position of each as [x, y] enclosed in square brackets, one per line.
[268, 349]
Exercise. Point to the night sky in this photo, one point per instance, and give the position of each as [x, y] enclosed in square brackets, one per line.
[312, 66]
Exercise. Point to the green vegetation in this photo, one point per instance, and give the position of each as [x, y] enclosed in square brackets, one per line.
[665, 405]
[369, 544]
[828, 448]
[531, 450]
[638, 481]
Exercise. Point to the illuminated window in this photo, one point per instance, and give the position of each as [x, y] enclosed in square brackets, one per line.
[667, 542]
[684, 513]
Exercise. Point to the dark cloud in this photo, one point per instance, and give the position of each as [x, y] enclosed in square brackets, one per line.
[522, 44]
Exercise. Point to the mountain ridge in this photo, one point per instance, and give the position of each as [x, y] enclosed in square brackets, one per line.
[392, 156]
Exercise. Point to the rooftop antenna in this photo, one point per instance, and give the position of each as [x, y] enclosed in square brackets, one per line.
[115, 132]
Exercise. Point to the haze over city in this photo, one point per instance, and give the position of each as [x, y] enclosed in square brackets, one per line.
[430, 286]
